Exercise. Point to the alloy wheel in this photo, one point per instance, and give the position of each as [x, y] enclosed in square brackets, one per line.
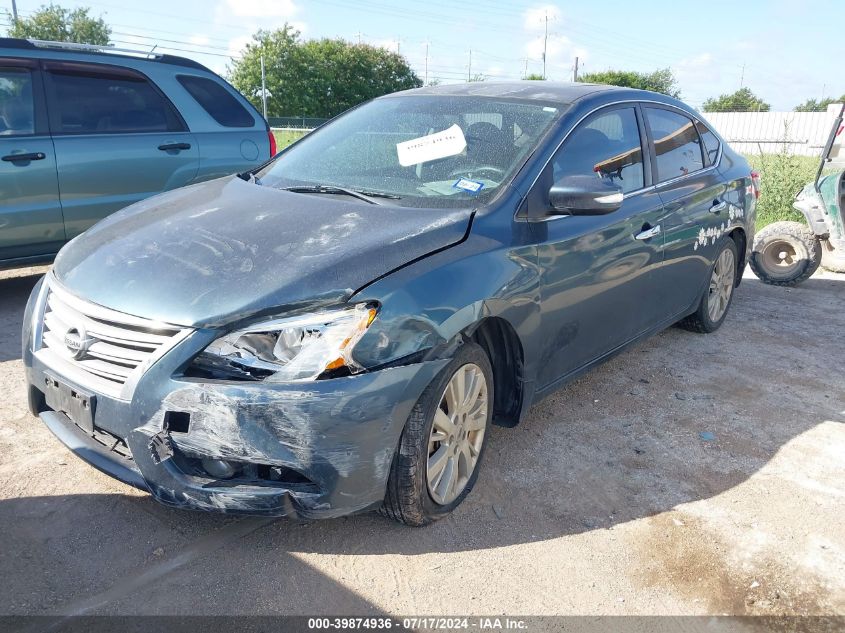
[457, 434]
[721, 285]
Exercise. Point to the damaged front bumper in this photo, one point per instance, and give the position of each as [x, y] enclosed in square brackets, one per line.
[312, 449]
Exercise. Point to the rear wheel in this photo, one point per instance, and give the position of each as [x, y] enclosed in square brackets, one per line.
[443, 441]
[785, 253]
[718, 296]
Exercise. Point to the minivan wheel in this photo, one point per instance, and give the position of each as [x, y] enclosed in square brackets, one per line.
[785, 253]
[443, 441]
[718, 295]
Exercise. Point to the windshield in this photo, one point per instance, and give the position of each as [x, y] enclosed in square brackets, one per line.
[423, 151]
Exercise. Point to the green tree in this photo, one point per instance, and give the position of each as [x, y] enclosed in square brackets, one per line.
[317, 78]
[534, 77]
[743, 100]
[658, 81]
[55, 23]
[811, 105]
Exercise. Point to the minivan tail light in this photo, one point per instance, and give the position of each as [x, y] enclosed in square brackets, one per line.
[272, 138]
[755, 183]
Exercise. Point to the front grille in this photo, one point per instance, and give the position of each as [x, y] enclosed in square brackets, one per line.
[115, 348]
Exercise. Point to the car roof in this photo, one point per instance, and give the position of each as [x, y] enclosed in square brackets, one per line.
[560, 92]
[101, 53]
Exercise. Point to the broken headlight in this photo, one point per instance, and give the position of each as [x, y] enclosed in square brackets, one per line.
[297, 348]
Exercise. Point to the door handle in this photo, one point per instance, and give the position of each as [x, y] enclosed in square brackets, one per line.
[171, 146]
[718, 206]
[14, 158]
[648, 232]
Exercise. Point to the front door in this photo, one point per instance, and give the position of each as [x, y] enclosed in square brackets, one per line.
[598, 272]
[30, 213]
[118, 140]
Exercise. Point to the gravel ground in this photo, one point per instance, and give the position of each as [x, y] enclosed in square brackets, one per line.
[693, 474]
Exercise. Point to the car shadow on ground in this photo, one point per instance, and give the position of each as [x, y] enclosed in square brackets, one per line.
[676, 419]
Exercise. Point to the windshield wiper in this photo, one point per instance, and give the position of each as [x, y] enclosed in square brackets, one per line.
[366, 196]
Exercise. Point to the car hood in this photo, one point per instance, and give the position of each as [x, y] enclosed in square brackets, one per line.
[219, 251]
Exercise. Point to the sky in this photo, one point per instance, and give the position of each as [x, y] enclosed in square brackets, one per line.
[784, 50]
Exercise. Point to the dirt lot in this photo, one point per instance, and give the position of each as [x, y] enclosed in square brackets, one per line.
[691, 475]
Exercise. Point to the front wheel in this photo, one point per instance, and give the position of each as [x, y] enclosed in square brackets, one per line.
[785, 253]
[718, 295]
[443, 441]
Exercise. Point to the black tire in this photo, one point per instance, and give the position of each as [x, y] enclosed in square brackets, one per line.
[785, 253]
[407, 499]
[700, 320]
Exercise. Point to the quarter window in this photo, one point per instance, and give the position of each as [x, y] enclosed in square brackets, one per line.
[90, 102]
[17, 109]
[677, 145]
[710, 142]
[607, 146]
[218, 102]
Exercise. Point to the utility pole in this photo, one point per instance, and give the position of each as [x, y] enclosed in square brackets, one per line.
[469, 68]
[14, 12]
[425, 82]
[525, 72]
[359, 38]
[742, 77]
[575, 71]
[545, 43]
[398, 46]
[263, 88]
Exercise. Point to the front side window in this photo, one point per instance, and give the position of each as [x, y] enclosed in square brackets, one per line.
[677, 145]
[102, 103]
[425, 151]
[17, 108]
[607, 146]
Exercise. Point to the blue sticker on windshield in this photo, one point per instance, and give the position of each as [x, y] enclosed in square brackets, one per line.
[470, 186]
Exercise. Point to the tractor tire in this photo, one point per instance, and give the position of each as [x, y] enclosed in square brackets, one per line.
[785, 253]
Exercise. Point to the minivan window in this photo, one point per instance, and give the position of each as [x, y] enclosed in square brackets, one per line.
[608, 145]
[218, 102]
[93, 103]
[710, 142]
[677, 145]
[17, 109]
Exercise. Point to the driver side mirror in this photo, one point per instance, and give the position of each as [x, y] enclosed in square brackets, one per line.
[585, 195]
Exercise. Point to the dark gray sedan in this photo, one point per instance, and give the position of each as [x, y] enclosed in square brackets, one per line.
[336, 331]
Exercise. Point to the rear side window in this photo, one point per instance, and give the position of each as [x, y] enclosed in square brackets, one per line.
[677, 145]
[92, 102]
[710, 142]
[217, 101]
[607, 146]
[17, 108]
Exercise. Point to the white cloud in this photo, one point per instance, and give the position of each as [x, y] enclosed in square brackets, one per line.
[237, 45]
[560, 50]
[264, 9]
[199, 40]
[535, 19]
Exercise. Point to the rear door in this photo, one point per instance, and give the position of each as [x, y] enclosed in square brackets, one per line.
[118, 140]
[30, 213]
[693, 195]
[232, 136]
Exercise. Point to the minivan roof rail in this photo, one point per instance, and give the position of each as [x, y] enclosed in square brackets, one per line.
[149, 55]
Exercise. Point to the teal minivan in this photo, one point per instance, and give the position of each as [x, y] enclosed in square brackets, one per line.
[86, 130]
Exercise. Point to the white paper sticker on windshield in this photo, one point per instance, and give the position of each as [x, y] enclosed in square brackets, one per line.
[449, 142]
